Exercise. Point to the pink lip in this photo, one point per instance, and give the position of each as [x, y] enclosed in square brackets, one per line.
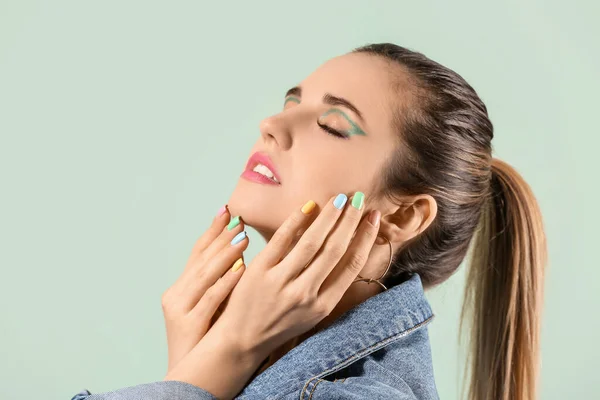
[264, 159]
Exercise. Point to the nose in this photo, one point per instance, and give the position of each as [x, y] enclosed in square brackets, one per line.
[276, 131]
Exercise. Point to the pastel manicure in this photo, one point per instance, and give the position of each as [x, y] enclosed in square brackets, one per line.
[238, 264]
[340, 201]
[221, 211]
[358, 199]
[233, 223]
[308, 207]
[239, 237]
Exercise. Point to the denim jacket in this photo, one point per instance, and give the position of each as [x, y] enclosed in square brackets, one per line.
[378, 350]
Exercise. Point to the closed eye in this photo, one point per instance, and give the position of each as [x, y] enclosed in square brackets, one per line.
[328, 129]
[332, 131]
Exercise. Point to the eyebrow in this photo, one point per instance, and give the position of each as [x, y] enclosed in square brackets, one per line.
[328, 98]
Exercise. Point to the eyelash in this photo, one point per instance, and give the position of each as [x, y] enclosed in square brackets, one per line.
[332, 131]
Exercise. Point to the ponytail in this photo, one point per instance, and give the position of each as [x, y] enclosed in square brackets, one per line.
[504, 291]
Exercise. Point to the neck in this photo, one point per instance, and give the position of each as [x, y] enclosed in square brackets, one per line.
[354, 295]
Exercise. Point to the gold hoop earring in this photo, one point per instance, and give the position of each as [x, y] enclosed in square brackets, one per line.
[369, 280]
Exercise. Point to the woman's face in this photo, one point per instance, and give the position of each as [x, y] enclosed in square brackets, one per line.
[350, 94]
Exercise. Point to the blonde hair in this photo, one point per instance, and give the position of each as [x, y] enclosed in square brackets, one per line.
[504, 291]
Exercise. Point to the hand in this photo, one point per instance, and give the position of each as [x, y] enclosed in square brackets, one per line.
[278, 298]
[192, 304]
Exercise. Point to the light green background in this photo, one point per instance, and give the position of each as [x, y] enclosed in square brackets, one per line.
[125, 124]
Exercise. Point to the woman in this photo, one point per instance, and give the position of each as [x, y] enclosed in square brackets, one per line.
[333, 307]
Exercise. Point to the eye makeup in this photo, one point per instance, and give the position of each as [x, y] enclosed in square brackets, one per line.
[354, 129]
[291, 98]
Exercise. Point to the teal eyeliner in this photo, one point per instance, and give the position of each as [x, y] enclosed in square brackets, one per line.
[354, 128]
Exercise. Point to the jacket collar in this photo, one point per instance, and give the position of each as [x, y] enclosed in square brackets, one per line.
[367, 327]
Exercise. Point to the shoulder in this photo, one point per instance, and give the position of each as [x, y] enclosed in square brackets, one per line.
[379, 350]
[357, 387]
[402, 369]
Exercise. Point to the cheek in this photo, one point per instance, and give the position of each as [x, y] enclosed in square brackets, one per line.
[322, 178]
[341, 173]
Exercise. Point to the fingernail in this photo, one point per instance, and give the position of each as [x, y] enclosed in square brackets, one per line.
[237, 265]
[308, 207]
[222, 210]
[358, 200]
[233, 223]
[239, 237]
[340, 201]
[374, 218]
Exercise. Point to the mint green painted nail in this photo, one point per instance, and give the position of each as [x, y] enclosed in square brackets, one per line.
[233, 223]
[358, 200]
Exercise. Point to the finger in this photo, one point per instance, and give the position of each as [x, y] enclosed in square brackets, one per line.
[279, 244]
[218, 223]
[196, 285]
[228, 231]
[353, 261]
[216, 294]
[313, 238]
[233, 228]
[335, 245]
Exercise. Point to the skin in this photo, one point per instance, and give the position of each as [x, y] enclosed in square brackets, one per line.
[313, 165]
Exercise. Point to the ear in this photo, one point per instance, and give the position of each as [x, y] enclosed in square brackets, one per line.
[409, 219]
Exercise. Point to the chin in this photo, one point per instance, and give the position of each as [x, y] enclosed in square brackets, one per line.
[259, 208]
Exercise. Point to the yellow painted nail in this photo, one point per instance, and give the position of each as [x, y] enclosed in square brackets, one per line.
[237, 265]
[308, 207]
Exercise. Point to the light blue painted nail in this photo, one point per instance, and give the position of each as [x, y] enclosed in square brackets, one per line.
[239, 237]
[340, 201]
